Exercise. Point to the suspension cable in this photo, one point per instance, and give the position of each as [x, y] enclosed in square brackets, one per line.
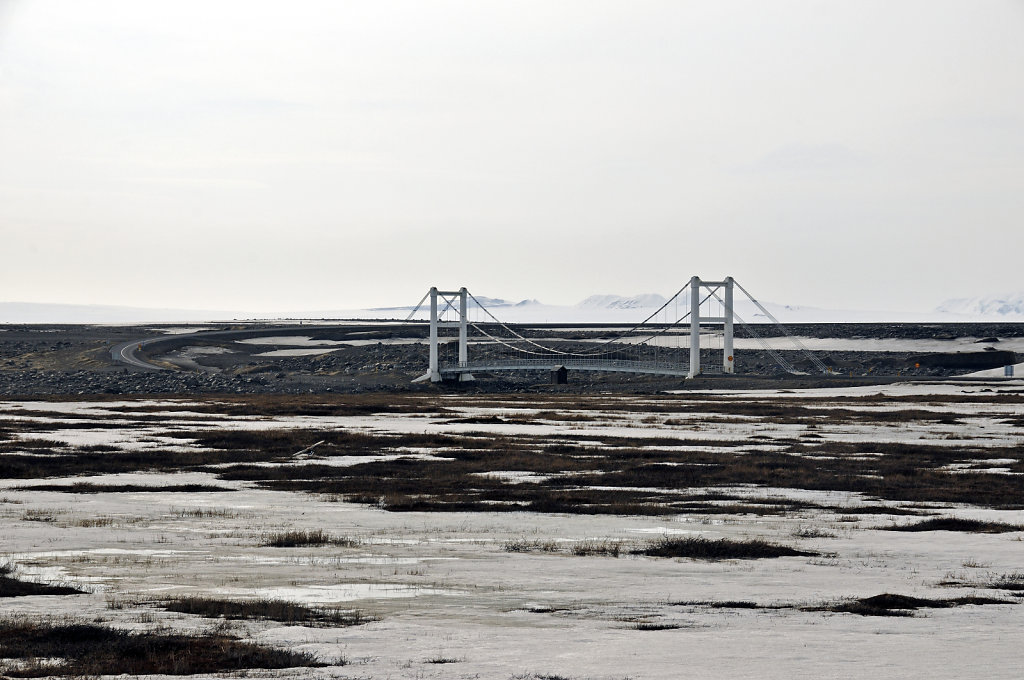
[503, 325]
[656, 312]
[796, 341]
[416, 308]
[786, 366]
[500, 341]
[657, 333]
[597, 350]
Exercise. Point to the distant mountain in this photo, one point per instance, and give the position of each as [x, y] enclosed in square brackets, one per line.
[498, 302]
[643, 301]
[1010, 305]
[487, 302]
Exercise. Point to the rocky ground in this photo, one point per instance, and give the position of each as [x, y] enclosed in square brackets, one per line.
[76, 359]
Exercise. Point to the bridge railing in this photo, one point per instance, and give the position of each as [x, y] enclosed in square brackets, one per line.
[578, 363]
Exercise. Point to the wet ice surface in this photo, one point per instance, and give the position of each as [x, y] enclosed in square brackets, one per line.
[443, 586]
[293, 340]
[307, 341]
[296, 352]
[180, 330]
[192, 352]
[333, 594]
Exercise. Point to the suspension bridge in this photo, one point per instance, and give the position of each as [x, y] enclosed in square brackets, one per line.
[680, 338]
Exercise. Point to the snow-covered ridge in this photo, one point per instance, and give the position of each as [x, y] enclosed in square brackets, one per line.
[641, 301]
[1008, 305]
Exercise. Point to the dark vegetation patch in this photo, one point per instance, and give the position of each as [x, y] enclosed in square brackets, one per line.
[523, 545]
[722, 549]
[886, 604]
[40, 458]
[653, 625]
[35, 445]
[63, 462]
[550, 610]
[91, 421]
[792, 412]
[715, 405]
[267, 610]
[728, 409]
[12, 586]
[974, 526]
[814, 532]
[725, 604]
[86, 487]
[889, 604]
[606, 475]
[873, 510]
[488, 420]
[596, 548]
[265, 405]
[587, 548]
[626, 479]
[903, 472]
[459, 480]
[1012, 582]
[269, 405]
[636, 443]
[312, 537]
[89, 649]
[287, 442]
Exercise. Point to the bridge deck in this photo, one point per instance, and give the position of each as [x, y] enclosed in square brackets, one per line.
[574, 364]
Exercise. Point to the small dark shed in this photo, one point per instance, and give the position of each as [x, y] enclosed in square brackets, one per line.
[559, 375]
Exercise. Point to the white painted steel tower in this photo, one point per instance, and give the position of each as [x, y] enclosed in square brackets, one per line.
[434, 370]
[696, 288]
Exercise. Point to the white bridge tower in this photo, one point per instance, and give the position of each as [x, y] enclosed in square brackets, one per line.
[696, 288]
[449, 298]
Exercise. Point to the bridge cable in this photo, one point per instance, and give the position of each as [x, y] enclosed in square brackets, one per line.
[549, 350]
[779, 359]
[654, 335]
[503, 325]
[416, 308]
[654, 314]
[623, 334]
[615, 339]
[510, 345]
[803, 348]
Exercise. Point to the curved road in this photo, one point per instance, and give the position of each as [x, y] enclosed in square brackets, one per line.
[125, 353]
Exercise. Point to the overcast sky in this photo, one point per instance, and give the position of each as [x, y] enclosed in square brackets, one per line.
[269, 156]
